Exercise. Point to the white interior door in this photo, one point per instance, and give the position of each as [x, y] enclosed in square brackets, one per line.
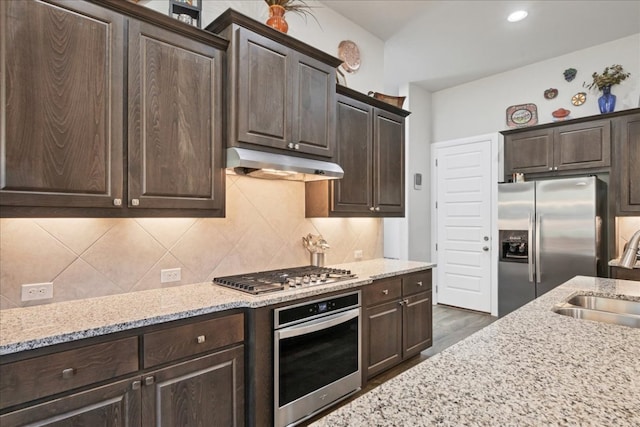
[464, 202]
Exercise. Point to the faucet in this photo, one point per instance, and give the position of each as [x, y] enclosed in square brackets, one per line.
[628, 259]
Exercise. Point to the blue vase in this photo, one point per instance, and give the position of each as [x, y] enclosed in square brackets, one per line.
[607, 102]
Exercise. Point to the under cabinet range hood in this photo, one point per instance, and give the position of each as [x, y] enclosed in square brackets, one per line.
[261, 164]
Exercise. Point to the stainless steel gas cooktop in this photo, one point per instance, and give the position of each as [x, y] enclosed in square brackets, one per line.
[288, 278]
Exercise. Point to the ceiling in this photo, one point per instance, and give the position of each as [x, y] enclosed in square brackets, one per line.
[440, 44]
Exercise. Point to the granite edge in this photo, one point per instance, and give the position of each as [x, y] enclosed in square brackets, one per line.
[242, 301]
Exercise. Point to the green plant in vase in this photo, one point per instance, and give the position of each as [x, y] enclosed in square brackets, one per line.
[278, 9]
[611, 76]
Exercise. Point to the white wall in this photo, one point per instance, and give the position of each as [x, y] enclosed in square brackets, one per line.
[480, 107]
[325, 34]
[418, 161]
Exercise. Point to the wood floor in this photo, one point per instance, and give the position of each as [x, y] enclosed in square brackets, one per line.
[450, 325]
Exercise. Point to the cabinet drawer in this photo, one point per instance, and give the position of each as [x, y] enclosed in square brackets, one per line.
[183, 341]
[416, 282]
[42, 376]
[382, 291]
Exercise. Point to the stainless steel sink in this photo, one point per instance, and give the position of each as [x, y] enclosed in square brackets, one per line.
[601, 309]
[630, 320]
[606, 304]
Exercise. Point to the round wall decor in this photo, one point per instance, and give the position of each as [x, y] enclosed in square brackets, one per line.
[350, 54]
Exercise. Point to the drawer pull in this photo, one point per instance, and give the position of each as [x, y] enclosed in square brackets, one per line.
[136, 385]
[149, 380]
[419, 283]
[385, 292]
[68, 373]
[201, 339]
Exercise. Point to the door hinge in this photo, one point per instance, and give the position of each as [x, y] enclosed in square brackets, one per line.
[436, 204]
[436, 162]
[436, 246]
[436, 289]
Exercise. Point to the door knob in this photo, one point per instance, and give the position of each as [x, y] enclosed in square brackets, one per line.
[485, 248]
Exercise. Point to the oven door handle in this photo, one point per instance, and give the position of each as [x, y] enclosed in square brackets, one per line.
[318, 324]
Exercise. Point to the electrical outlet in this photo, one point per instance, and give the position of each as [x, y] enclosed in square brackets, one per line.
[170, 275]
[37, 291]
[357, 254]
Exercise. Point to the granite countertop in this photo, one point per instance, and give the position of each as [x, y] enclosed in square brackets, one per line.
[43, 325]
[616, 262]
[532, 367]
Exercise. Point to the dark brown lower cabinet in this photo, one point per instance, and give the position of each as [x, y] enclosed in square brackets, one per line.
[112, 405]
[199, 382]
[398, 321]
[205, 391]
[625, 273]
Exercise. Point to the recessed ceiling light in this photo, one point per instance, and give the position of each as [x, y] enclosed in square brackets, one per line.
[518, 15]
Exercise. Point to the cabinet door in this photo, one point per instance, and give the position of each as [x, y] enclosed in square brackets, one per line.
[314, 106]
[384, 340]
[175, 135]
[204, 391]
[528, 152]
[264, 93]
[417, 324]
[112, 405]
[354, 141]
[582, 145]
[628, 159]
[388, 163]
[63, 86]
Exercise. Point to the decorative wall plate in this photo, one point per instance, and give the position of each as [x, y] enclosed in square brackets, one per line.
[550, 93]
[579, 98]
[522, 115]
[350, 54]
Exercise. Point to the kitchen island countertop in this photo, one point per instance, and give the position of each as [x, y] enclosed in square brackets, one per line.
[532, 367]
[43, 325]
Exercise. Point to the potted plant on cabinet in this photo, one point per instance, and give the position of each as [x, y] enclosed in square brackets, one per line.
[611, 75]
[278, 8]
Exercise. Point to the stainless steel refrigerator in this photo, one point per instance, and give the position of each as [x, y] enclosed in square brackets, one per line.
[549, 232]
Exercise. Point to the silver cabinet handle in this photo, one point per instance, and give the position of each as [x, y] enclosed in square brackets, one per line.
[551, 168]
[419, 283]
[385, 291]
[377, 208]
[201, 339]
[372, 208]
[556, 168]
[290, 145]
[68, 373]
[296, 146]
[117, 202]
[135, 202]
[136, 385]
[149, 380]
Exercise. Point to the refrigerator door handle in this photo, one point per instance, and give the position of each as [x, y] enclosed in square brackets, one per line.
[530, 251]
[537, 248]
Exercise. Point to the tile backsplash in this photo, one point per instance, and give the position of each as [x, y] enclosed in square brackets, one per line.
[626, 226]
[91, 257]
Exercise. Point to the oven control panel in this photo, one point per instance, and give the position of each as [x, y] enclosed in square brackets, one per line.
[304, 311]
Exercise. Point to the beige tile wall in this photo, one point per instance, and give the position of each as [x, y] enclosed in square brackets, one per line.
[626, 226]
[94, 257]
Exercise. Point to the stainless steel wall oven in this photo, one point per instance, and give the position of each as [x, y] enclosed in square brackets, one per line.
[317, 349]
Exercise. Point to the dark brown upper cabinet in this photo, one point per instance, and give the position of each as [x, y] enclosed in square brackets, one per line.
[175, 121]
[370, 149]
[626, 167]
[63, 108]
[281, 92]
[547, 149]
[100, 124]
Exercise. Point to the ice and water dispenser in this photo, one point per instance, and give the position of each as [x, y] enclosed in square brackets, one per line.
[514, 245]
